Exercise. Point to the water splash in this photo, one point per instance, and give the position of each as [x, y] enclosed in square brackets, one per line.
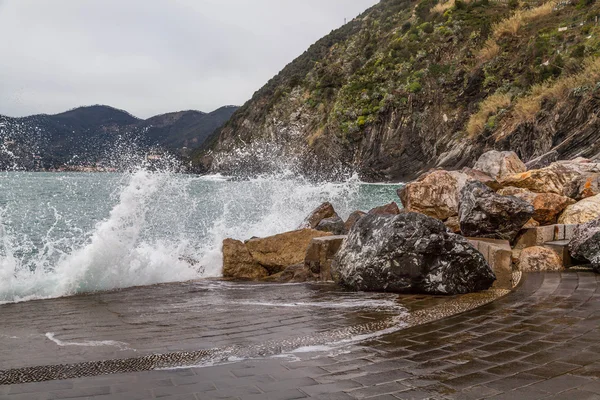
[63, 234]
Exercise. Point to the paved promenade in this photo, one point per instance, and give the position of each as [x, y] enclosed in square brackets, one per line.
[540, 342]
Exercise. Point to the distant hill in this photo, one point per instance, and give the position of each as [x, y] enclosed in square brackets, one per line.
[85, 135]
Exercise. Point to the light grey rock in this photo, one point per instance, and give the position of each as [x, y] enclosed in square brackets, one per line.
[499, 164]
[585, 244]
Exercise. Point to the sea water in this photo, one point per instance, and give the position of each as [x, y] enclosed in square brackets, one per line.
[68, 233]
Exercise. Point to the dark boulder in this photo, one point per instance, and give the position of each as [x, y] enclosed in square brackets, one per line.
[409, 253]
[483, 213]
[585, 245]
[333, 225]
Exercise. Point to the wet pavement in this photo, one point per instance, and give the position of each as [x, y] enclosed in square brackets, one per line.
[540, 342]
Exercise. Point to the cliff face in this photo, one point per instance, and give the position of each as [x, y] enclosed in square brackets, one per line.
[408, 86]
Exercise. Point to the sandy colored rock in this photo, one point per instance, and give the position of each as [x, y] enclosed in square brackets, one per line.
[582, 212]
[435, 194]
[320, 213]
[539, 258]
[482, 177]
[352, 219]
[276, 253]
[238, 263]
[453, 223]
[388, 209]
[552, 179]
[499, 164]
[547, 206]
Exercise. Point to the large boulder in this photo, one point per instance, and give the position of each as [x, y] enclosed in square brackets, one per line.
[239, 264]
[388, 209]
[483, 213]
[585, 186]
[582, 212]
[556, 178]
[481, 177]
[585, 244]
[333, 225]
[320, 213]
[353, 219]
[499, 164]
[435, 194]
[539, 258]
[547, 206]
[409, 253]
[276, 253]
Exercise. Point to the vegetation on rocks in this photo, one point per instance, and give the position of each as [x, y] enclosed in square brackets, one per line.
[410, 85]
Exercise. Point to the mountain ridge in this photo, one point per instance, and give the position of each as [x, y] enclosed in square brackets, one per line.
[85, 134]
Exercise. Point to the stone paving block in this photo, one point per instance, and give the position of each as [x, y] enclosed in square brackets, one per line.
[414, 394]
[593, 387]
[281, 385]
[574, 394]
[288, 394]
[24, 396]
[346, 365]
[184, 389]
[516, 381]
[143, 395]
[534, 237]
[333, 396]
[382, 377]
[78, 392]
[524, 393]
[561, 383]
[552, 369]
[38, 387]
[469, 380]
[340, 386]
[371, 391]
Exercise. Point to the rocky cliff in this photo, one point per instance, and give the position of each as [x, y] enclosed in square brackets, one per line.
[411, 85]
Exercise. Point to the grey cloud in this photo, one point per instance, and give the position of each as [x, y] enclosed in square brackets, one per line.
[152, 56]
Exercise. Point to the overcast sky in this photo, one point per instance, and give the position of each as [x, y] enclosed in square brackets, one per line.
[152, 56]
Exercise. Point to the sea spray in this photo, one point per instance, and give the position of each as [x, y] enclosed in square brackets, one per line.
[63, 234]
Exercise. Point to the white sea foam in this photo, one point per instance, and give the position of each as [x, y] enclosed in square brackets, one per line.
[88, 343]
[155, 227]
